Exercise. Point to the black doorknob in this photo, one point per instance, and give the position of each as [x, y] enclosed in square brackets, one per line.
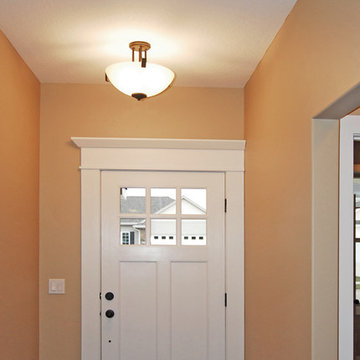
[109, 313]
[109, 295]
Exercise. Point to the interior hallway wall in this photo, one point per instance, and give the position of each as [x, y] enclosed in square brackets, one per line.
[101, 111]
[19, 206]
[313, 60]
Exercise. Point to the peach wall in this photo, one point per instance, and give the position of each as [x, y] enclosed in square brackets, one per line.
[313, 60]
[101, 111]
[19, 159]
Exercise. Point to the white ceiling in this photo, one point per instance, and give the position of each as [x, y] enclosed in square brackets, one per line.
[208, 43]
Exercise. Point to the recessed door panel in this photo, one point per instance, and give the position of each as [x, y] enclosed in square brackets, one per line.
[189, 310]
[138, 305]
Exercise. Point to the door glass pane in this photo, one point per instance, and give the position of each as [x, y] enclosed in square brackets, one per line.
[163, 201]
[357, 219]
[357, 271]
[163, 232]
[357, 302]
[132, 231]
[193, 201]
[132, 200]
[356, 282]
[193, 232]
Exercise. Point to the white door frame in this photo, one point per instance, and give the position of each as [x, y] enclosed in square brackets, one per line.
[349, 128]
[328, 327]
[99, 154]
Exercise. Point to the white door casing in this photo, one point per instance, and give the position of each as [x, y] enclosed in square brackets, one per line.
[168, 299]
[99, 154]
[349, 129]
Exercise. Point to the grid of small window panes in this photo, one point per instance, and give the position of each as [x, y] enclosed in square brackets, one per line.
[155, 216]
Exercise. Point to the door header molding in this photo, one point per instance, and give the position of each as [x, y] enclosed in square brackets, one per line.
[161, 154]
[154, 143]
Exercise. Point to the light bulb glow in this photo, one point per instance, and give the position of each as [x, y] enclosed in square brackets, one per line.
[130, 78]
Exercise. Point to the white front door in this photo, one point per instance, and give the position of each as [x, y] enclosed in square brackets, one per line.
[163, 266]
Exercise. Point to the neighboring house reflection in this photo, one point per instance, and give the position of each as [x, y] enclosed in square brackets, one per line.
[163, 231]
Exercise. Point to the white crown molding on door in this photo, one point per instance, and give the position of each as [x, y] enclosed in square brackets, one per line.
[154, 143]
[161, 154]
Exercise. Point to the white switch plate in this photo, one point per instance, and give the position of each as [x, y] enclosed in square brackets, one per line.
[56, 286]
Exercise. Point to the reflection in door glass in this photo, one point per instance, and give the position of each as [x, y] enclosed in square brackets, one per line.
[193, 232]
[132, 231]
[163, 201]
[193, 201]
[132, 200]
[357, 271]
[357, 306]
[356, 250]
[163, 232]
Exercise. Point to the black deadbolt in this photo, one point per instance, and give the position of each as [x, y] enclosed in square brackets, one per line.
[109, 313]
[109, 296]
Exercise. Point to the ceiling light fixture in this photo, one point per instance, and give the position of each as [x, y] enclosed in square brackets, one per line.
[139, 79]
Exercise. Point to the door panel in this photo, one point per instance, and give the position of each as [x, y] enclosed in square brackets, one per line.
[189, 310]
[138, 305]
[168, 296]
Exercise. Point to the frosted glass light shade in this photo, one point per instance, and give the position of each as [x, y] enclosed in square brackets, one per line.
[130, 78]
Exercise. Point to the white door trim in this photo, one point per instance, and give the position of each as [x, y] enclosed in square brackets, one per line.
[349, 128]
[325, 211]
[160, 154]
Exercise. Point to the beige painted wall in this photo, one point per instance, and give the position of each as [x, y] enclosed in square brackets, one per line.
[19, 206]
[101, 111]
[313, 60]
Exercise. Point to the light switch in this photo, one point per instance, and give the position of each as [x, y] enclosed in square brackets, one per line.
[56, 286]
